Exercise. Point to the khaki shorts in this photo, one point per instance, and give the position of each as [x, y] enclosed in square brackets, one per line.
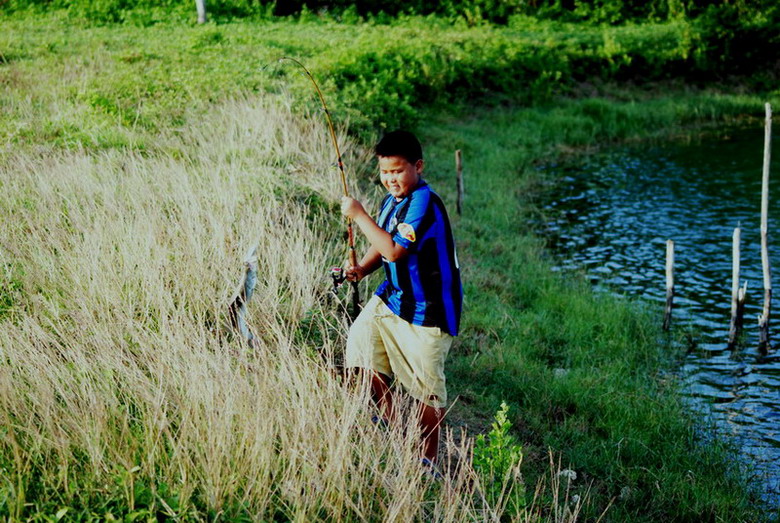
[414, 355]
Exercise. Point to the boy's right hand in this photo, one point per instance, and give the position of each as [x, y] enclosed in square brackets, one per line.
[355, 273]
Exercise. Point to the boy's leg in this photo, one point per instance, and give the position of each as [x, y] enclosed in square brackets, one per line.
[382, 395]
[431, 419]
[416, 355]
[366, 356]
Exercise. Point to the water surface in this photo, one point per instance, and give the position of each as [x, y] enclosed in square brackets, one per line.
[611, 215]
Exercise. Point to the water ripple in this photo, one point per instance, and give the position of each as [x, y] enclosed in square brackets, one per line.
[611, 216]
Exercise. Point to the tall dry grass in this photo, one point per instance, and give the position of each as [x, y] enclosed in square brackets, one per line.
[121, 392]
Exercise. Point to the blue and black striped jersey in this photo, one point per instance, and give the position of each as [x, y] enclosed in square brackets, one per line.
[424, 287]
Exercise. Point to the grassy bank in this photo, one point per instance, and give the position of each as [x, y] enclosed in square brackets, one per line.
[122, 394]
[138, 165]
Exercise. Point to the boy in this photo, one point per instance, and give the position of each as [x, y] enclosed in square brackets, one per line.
[406, 329]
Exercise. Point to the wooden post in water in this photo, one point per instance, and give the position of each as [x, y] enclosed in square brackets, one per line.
[741, 297]
[763, 318]
[669, 284]
[459, 169]
[736, 317]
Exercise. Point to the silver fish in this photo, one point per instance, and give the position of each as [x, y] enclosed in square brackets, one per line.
[244, 292]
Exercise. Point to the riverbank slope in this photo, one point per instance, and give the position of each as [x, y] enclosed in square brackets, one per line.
[180, 142]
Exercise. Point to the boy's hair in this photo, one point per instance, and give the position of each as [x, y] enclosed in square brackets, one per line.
[400, 143]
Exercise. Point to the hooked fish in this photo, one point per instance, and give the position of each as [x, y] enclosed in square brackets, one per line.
[244, 292]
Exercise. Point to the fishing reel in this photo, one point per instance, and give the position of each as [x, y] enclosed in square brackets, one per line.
[339, 276]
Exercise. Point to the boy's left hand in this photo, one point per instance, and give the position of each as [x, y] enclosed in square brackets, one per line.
[350, 207]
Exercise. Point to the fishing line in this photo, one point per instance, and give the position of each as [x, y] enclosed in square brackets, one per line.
[340, 163]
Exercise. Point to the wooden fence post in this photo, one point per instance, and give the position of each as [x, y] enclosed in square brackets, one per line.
[669, 284]
[459, 169]
[763, 318]
[201, 7]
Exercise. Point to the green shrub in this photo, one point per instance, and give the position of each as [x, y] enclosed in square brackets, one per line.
[497, 459]
[738, 40]
[385, 84]
[473, 12]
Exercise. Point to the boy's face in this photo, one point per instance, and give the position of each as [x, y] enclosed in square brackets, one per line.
[398, 175]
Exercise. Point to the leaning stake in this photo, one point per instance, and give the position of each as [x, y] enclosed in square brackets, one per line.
[736, 318]
[669, 284]
[459, 169]
[763, 318]
[741, 297]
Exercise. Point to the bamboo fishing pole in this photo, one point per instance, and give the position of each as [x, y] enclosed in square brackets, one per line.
[350, 234]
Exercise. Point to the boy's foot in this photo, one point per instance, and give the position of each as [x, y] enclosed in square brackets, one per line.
[430, 469]
[382, 423]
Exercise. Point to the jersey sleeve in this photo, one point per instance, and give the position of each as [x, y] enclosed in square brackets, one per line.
[410, 227]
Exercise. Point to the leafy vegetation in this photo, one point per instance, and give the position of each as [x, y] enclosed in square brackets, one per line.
[383, 72]
[472, 11]
[497, 458]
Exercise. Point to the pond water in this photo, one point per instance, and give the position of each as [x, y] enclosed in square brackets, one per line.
[610, 216]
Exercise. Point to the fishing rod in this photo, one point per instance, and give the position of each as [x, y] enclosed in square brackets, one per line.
[337, 273]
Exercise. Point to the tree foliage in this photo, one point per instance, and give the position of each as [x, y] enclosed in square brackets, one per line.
[474, 11]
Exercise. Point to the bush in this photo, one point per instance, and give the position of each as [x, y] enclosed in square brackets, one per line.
[472, 11]
[497, 460]
[386, 84]
[133, 11]
[738, 40]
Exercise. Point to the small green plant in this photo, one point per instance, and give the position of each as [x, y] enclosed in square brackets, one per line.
[10, 288]
[497, 459]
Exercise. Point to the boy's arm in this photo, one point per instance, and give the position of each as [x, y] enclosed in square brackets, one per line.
[370, 262]
[380, 240]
